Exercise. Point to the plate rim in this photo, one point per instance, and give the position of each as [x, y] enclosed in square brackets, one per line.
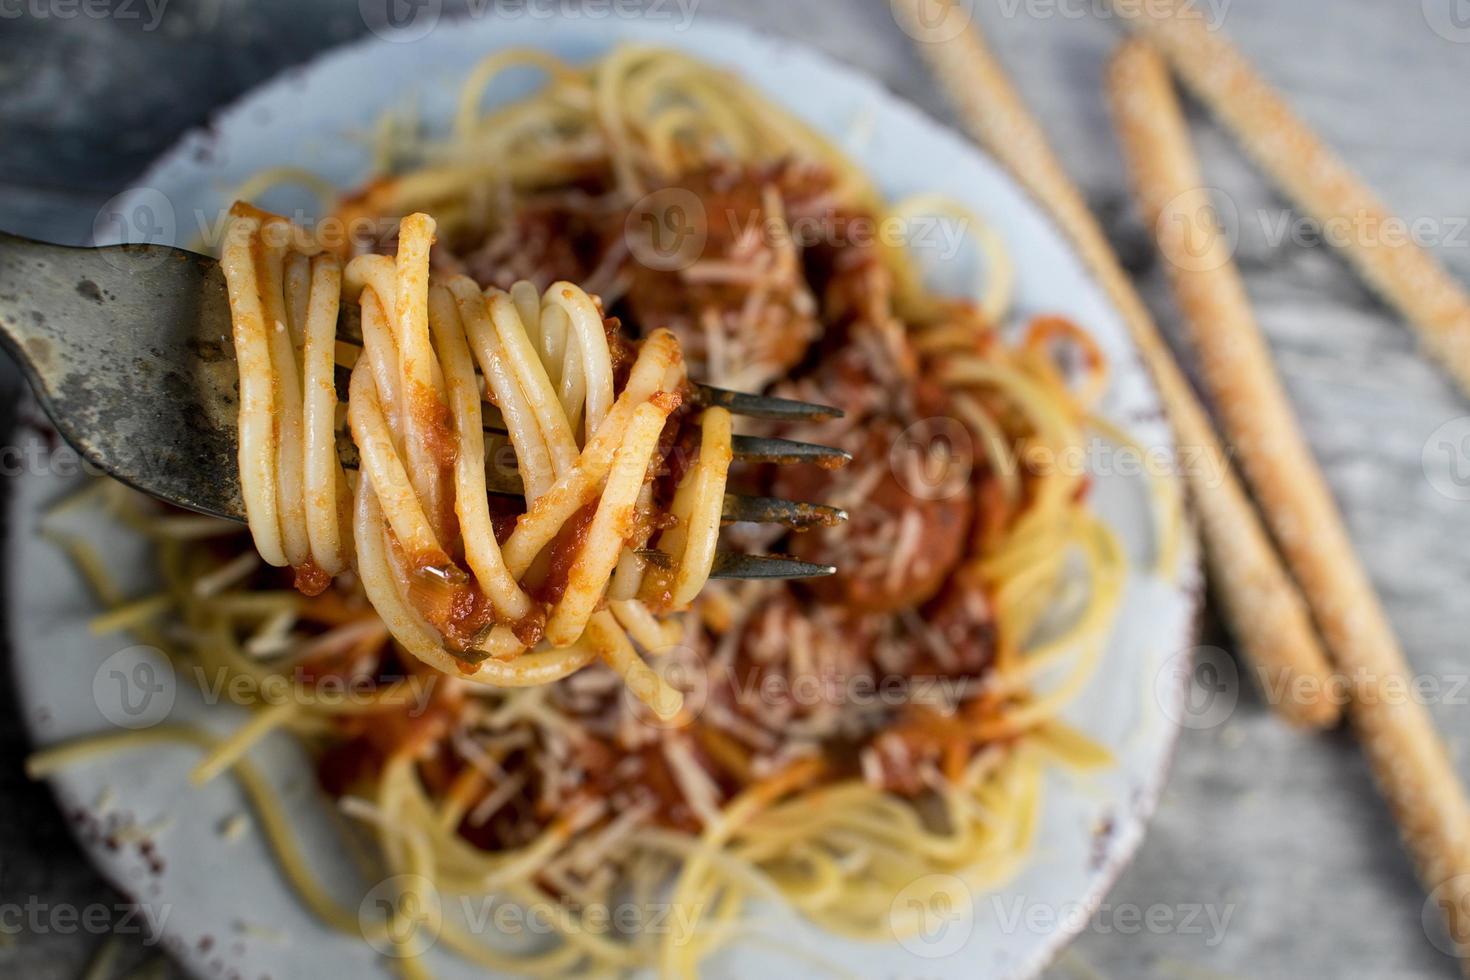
[1190, 580]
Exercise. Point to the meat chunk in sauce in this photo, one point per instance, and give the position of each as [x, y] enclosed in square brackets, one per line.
[738, 302]
[897, 547]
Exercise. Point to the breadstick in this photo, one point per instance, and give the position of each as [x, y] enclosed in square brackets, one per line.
[1263, 606]
[1406, 753]
[1370, 237]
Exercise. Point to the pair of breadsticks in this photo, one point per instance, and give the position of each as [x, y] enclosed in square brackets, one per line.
[1271, 613]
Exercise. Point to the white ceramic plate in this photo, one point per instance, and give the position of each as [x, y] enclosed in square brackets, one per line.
[222, 905]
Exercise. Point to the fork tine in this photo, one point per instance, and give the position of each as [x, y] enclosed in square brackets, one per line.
[756, 449]
[737, 402]
[347, 450]
[342, 381]
[658, 559]
[504, 482]
[750, 449]
[494, 421]
[764, 406]
[797, 515]
[728, 565]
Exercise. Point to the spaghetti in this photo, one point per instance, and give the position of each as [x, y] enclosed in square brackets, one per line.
[976, 585]
[449, 589]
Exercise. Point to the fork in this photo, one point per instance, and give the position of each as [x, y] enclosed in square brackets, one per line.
[129, 351]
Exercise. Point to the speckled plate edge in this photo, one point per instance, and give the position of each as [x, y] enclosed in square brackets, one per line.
[56, 663]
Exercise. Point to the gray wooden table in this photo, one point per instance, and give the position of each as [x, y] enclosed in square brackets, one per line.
[1271, 856]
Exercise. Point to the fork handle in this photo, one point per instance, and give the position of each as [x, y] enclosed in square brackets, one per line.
[115, 343]
[16, 254]
[27, 330]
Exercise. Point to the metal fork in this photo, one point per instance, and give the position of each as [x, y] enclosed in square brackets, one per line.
[128, 349]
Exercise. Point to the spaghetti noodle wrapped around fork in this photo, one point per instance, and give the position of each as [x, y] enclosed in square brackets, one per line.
[474, 589]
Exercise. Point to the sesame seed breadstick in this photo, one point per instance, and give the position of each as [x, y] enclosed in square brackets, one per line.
[1378, 245]
[1406, 753]
[1265, 611]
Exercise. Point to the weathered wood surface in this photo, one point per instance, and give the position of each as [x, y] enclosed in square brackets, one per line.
[1281, 831]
